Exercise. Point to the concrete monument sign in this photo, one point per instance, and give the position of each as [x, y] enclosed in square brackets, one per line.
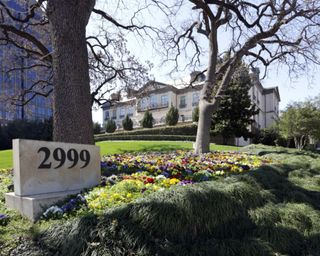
[45, 172]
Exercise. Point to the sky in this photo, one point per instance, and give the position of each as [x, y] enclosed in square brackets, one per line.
[291, 88]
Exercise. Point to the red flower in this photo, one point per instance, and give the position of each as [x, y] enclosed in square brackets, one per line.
[150, 180]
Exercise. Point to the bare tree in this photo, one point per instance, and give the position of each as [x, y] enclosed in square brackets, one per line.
[66, 54]
[260, 33]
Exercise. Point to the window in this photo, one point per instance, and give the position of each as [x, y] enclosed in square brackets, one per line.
[130, 111]
[195, 99]
[114, 114]
[106, 115]
[164, 100]
[183, 103]
[153, 101]
[122, 111]
[143, 103]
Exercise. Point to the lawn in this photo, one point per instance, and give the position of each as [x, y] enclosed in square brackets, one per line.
[119, 147]
[5, 159]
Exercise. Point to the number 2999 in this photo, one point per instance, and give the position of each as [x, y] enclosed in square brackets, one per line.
[61, 156]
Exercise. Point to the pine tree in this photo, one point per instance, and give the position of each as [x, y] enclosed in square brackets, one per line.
[236, 111]
[127, 123]
[172, 116]
[147, 120]
[111, 126]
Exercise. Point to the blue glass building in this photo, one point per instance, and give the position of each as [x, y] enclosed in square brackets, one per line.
[21, 79]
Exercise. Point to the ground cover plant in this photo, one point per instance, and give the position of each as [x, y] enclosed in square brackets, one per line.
[272, 209]
[127, 177]
[119, 147]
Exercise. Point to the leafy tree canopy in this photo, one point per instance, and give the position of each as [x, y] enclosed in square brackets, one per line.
[301, 122]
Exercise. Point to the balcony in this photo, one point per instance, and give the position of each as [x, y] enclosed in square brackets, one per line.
[153, 106]
[195, 103]
[182, 105]
[114, 117]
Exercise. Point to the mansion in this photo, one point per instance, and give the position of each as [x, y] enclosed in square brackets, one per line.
[158, 97]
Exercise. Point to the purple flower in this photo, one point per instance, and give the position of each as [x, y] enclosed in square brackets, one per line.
[103, 165]
[4, 219]
[165, 174]
[3, 216]
[189, 171]
[143, 190]
[185, 182]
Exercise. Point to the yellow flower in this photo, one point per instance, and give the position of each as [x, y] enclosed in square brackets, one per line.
[174, 181]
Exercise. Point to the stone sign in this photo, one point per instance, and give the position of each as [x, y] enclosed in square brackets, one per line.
[45, 172]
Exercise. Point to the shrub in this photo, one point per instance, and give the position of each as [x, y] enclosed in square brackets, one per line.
[269, 136]
[111, 126]
[172, 116]
[96, 128]
[127, 123]
[25, 129]
[115, 136]
[182, 130]
[147, 120]
[195, 114]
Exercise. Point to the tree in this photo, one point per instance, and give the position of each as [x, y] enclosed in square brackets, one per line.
[68, 57]
[300, 122]
[147, 120]
[262, 32]
[236, 111]
[172, 116]
[111, 126]
[127, 123]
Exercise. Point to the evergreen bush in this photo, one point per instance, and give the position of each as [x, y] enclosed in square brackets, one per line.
[110, 126]
[127, 123]
[172, 116]
[195, 114]
[96, 128]
[147, 120]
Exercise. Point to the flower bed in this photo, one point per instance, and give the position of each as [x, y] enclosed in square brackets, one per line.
[127, 177]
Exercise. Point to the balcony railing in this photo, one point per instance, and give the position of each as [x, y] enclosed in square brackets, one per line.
[182, 105]
[196, 103]
[153, 106]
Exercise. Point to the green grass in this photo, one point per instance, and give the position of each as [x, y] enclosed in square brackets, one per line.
[118, 147]
[5, 159]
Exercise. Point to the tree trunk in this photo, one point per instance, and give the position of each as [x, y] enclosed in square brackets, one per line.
[72, 117]
[202, 144]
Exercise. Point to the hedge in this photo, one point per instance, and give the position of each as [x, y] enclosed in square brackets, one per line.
[188, 129]
[146, 137]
